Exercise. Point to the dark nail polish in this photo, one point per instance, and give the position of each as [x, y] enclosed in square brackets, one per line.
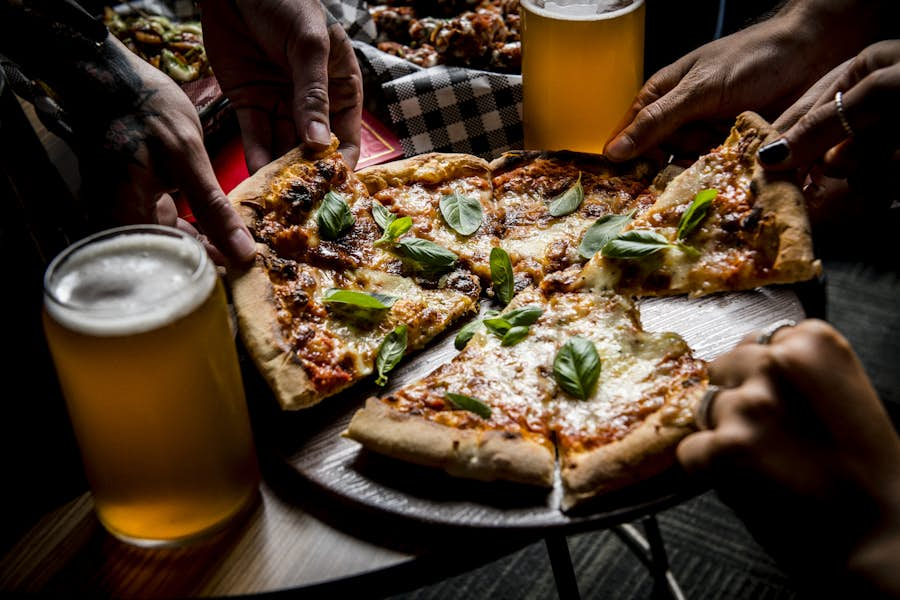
[774, 153]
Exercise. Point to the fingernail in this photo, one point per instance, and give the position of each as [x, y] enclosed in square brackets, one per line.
[619, 148]
[318, 133]
[243, 244]
[774, 153]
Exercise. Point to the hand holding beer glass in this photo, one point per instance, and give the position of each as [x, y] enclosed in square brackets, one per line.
[137, 323]
[582, 64]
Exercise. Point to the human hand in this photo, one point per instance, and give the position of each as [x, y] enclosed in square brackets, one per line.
[687, 106]
[291, 77]
[861, 150]
[145, 141]
[803, 451]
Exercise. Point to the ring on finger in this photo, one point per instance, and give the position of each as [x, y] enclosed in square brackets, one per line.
[839, 106]
[765, 336]
[703, 408]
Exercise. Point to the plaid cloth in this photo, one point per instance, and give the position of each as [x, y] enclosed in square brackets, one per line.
[438, 109]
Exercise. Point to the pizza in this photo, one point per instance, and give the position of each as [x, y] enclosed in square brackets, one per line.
[742, 230]
[541, 256]
[503, 411]
[323, 293]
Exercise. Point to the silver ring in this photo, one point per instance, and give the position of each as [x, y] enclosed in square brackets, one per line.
[703, 409]
[765, 336]
[839, 105]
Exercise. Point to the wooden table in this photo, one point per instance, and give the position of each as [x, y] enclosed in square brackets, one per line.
[278, 545]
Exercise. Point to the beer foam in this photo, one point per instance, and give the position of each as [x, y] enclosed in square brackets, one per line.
[128, 284]
[578, 10]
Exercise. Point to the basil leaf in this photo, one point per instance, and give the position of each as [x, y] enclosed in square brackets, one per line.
[497, 325]
[427, 254]
[462, 213]
[334, 216]
[525, 315]
[569, 201]
[473, 405]
[576, 367]
[382, 216]
[695, 213]
[635, 243]
[394, 230]
[465, 334]
[515, 335]
[502, 278]
[601, 232]
[373, 301]
[391, 350]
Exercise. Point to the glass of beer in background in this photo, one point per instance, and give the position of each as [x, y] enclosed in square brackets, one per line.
[582, 64]
[138, 326]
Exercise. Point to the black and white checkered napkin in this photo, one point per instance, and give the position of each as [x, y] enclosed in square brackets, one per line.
[435, 109]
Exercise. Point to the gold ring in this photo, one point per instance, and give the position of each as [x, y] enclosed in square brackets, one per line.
[703, 409]
[765, 336]
[839, 105]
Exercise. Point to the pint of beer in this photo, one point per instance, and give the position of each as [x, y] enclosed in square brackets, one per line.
[137, 323]
[582, 64]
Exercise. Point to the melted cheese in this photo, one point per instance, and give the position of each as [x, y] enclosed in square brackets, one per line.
[640, 373]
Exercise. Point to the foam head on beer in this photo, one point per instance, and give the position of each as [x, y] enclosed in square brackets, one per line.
[120, 287]
[582, 7]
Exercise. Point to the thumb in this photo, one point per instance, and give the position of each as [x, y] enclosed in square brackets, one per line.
[308, 63]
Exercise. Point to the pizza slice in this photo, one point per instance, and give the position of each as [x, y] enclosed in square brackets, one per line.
[723, 224]
[572, 371]
[447, 198]
[323, 295]
[548, 200]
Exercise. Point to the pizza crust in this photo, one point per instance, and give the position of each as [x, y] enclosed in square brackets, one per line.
[486, 455]
[254, 304]
[431, 168]
[646, 451]
[779, 196]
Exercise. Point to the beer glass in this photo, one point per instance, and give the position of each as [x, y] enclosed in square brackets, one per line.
[137, 323]
[582, 64]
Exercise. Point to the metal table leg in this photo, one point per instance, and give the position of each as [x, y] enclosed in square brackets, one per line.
[563, 571]
[652, 552]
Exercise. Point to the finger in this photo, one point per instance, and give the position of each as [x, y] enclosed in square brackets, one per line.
[840, 395]
[637, 131]
[697, 452]
[810, 99]
[256, 133]
[865, 105]
[213, 252]
[308, 65]
[733, 368]
[212, 209]
[166, 211]
[345, 95]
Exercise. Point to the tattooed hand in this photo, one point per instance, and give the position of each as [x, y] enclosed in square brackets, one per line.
[143, 140]
[290, 75]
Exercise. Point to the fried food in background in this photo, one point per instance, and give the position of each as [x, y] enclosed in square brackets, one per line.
[175, 48]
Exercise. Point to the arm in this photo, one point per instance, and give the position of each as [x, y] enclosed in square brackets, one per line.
[138, 136]
[763, 68]
[291, 75]
[804, 452]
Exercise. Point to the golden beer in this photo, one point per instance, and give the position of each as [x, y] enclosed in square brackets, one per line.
[580, 72]
[137, 323]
